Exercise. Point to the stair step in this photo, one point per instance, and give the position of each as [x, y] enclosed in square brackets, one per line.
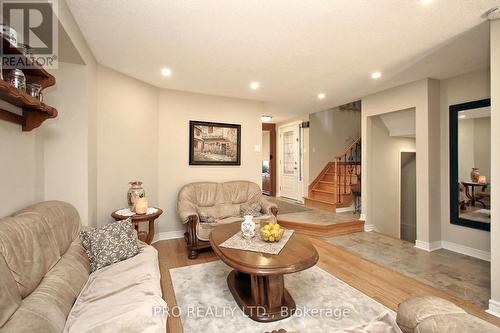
[327, 182]
[323, 196]
[320, 204]
[323, 191]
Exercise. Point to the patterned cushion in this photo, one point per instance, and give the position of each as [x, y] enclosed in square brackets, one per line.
[253, 209]
[205, 218]
[110, 243]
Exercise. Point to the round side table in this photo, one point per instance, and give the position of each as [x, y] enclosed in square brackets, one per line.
[137, 219]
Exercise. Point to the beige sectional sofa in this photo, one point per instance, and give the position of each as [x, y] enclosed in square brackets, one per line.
[45, 285]
[222, 203]
[430, 314]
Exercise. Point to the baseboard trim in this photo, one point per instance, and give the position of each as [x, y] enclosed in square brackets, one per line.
[345, 209]
[362, 217]
[494, 308]
[426, 246]
[369, 227]
[459, 248]
[168, 235]
[469, 251]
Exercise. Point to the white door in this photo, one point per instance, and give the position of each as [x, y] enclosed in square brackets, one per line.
[289, 163]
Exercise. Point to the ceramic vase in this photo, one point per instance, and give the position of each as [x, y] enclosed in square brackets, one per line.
[248, 227]
[474, 175]
[134, 192]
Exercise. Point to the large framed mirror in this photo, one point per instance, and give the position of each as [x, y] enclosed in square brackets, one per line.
[470, 163]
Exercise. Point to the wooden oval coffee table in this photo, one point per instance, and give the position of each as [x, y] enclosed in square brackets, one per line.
[257, 282]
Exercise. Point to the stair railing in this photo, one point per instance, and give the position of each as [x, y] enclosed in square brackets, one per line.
[347, 166]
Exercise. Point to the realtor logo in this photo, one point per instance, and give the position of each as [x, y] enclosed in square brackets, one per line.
[31, 27]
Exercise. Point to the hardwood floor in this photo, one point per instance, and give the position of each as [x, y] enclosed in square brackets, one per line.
[172, 254]
[382, 284]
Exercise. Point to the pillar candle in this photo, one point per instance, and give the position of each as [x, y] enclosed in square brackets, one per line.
[141, 206]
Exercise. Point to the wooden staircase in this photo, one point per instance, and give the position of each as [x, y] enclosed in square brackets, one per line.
[334, 186]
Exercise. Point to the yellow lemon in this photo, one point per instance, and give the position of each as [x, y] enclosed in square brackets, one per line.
[266, 238]
[267, 227]
[271, 238]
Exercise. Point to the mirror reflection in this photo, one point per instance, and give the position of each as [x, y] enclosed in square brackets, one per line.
[266, 162]
[474, 164]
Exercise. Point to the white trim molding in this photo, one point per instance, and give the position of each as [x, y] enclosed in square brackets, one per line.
[345, 209]
[370, 227]
[426, 246]
[168, 235]
[469, 251]
[494, 308]
[362, 217]
[459, 248]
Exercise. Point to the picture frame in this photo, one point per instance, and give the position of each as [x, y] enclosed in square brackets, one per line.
[215, 144]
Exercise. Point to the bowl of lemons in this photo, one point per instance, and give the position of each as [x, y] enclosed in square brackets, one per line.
[271, 232]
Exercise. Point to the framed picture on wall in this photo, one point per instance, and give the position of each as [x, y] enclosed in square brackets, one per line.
[214, 143]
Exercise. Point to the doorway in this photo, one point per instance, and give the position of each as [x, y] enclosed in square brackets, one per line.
[408, 196]
[290, 162]
[269, 159]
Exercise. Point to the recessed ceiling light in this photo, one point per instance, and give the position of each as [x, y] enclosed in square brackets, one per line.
[321, 96]
[266, 118]
[461, 116]
[254, 85]
[425, 2]
[376, 75]
[166, 72]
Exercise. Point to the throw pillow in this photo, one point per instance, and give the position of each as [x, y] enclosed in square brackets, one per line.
[253, 209]
[110, 243]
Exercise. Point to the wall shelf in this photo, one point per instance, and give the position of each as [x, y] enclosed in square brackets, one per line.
[34, 112]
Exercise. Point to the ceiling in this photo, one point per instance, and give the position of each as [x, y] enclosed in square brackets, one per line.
[400, 123]
[294, 49]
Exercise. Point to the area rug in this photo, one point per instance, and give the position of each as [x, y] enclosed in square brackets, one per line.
[324, 303]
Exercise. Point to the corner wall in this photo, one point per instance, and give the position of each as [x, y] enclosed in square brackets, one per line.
[143, 134]
[385, 168]
[494, 307]
[175, 110]
[127, 140]
[420, 95]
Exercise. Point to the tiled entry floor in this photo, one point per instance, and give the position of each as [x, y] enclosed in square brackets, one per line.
[457, 274]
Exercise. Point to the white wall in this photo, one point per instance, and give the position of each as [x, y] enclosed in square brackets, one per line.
[21, 166]
[331, 131]
[495, 172]
[176, 109]
[127, 140]
[385, 167]
[460, 89]
[65, 139]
